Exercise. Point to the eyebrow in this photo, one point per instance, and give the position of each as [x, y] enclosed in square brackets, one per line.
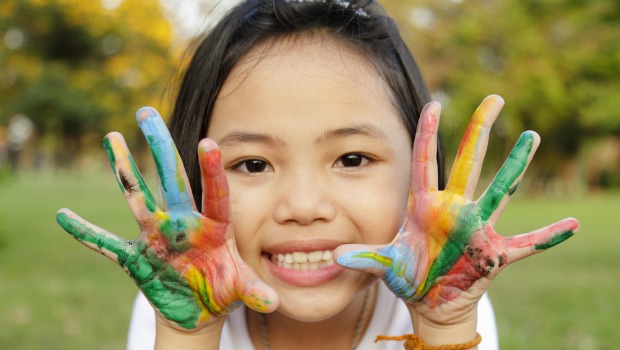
[367, 130]
[247, 137]
[354, 130]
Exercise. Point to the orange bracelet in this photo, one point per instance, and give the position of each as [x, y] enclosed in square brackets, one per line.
[413, 342]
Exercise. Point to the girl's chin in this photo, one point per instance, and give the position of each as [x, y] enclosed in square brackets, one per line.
[318, 303]
[313, 308]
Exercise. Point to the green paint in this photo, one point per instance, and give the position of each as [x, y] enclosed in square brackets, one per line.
[466, 225]
[507, 175]
[149, 201]
[101, 239]
[157, 157]
[176, 231]
[556, 239]
[164, 286]
[513, 189]
[181, 184]
[112, 158]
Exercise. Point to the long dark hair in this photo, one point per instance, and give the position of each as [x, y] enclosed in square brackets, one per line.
[362, 25]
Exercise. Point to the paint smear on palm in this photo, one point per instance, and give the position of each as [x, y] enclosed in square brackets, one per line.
[182, 289]
[449, 225]
[471, 217]
[159, 281]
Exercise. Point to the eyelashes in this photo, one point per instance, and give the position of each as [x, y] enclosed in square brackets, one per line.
[252, 166]
[353, 160]
[347, 162]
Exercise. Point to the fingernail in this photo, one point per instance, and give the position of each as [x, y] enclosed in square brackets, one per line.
[145, 113]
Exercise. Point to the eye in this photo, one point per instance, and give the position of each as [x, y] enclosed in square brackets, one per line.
[252, 166]
[352, 160]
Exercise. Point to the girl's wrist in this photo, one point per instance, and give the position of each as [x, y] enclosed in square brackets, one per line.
[457, 331]
[169, 337]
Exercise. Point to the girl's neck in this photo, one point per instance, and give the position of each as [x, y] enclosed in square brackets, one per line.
[336, 332]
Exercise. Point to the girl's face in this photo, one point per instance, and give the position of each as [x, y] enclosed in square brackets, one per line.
[316, 156]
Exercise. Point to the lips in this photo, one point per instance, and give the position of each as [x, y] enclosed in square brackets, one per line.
[303, 264]
[317, 259]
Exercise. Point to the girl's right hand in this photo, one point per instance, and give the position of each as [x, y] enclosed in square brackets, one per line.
[186, 263]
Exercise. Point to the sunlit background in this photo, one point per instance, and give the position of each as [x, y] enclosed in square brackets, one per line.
[73, 70]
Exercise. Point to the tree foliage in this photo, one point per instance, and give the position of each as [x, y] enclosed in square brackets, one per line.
[556, 62]
[77, 67]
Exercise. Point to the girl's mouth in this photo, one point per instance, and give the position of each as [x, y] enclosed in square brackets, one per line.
[303, 261]
[303, 268]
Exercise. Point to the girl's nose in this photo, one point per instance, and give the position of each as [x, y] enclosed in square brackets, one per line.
[304, 199]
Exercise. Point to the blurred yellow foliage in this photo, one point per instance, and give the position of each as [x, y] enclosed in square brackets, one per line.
[83, 67]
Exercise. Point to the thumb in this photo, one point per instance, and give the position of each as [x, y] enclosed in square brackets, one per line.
[254, 292]
[366, 258]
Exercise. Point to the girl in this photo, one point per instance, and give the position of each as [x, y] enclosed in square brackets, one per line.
[314, 107]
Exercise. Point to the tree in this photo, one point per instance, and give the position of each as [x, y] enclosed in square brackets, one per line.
[76, 67]
[556, 62]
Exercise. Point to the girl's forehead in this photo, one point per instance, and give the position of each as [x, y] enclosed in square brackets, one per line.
[301, 88]
[309, 56]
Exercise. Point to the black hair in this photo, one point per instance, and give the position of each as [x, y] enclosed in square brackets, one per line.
[362, 25]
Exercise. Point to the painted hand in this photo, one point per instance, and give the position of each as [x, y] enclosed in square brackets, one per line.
[447, 251]
[185, 262]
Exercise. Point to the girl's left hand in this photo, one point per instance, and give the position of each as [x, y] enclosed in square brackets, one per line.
[447, 252]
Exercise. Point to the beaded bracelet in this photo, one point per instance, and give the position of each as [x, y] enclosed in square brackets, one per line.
[413, 342]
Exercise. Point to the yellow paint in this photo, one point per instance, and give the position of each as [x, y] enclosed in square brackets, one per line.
[464, 160]
[118, 148]
[162, 215]
[202, 291]
[180, 170]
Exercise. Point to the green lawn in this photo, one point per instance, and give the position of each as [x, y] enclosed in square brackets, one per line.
[56, 294]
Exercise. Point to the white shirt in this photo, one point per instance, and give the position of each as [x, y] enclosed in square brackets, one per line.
[390, 317]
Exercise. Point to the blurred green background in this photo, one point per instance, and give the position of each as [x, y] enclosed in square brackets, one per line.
[72, 70]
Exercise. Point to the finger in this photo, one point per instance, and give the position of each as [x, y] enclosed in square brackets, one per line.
[466, 169]
[215, 204]
[96, 238]
[524, 245]
[137, 194]
[364, 258]
[395, 266]
[255, 293]
[507, 180]
[176, 191]
[424, 158]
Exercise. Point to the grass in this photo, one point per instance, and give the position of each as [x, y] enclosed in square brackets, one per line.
[567, 297]
[56, 294]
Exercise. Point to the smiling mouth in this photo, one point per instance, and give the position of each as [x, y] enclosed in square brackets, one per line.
[303, 261]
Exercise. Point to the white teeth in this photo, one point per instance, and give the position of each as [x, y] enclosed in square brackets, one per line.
[304, 261]
[288, 258]
[300, 257]
[315, 256]
[327, 255]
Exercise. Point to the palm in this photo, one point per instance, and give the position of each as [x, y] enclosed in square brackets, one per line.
[185, 262]
[447, 250]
